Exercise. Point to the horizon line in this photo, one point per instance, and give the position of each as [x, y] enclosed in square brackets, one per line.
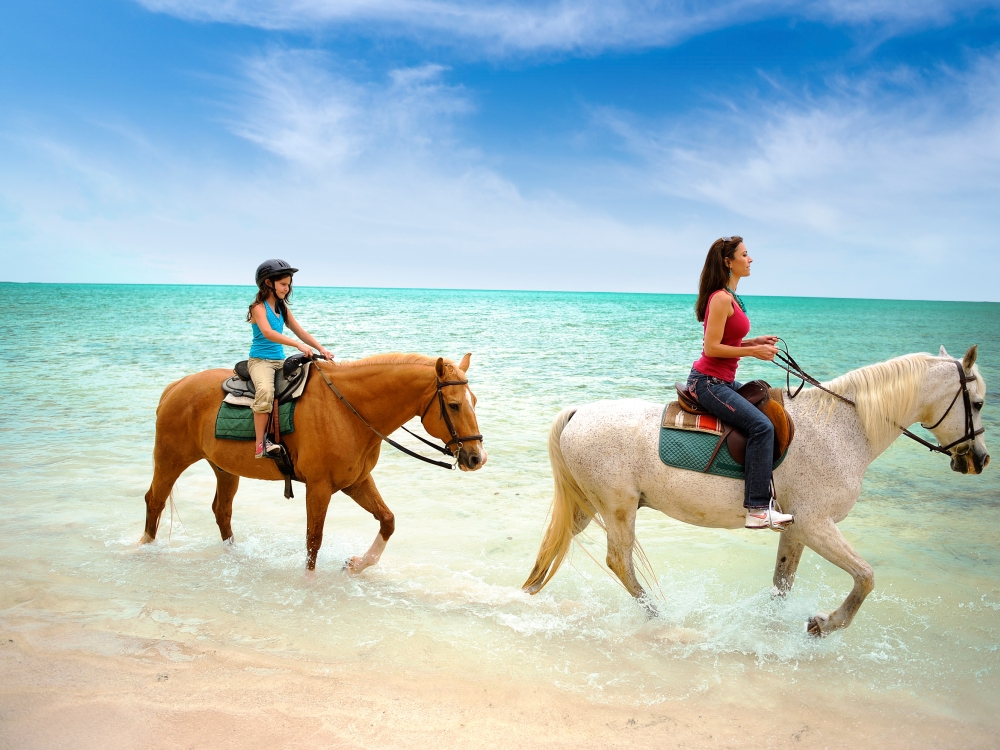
[498, 291]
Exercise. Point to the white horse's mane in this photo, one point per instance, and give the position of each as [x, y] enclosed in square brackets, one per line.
[885, 393]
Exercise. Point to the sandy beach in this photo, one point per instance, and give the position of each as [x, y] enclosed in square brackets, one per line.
[108, 691]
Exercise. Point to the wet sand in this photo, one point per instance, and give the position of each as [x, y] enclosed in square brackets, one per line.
[110, 691]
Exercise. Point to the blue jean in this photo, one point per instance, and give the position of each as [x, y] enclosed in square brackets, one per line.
[720, 399]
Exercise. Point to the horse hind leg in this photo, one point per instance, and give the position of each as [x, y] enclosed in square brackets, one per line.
[366, 494]
[226, 485]
[829, 543]
[787, 562]
[620, 527]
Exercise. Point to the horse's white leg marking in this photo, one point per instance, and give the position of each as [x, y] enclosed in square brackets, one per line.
[357, 564]
[789, 554]
[366, 494]
[827, 541]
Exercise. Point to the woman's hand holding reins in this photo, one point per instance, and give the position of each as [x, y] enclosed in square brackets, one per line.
[765, 352]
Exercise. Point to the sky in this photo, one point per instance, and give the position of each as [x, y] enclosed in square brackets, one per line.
[569, 145]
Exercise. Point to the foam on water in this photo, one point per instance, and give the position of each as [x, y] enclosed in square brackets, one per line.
[446, 595]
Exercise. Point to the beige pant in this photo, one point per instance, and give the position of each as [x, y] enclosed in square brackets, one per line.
[262, 374]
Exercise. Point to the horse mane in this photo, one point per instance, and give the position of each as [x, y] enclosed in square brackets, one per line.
[885, 394]
[392, 358]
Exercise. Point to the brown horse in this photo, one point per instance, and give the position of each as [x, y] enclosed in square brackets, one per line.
[331, 447]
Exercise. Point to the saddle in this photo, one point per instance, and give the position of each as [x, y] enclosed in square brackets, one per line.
[290, 382]
[759, 393]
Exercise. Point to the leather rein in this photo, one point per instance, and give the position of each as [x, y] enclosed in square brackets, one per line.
[456, 440]
[785, 361]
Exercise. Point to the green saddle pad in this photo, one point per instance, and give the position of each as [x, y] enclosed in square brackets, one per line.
[236, 422]
[686, 449]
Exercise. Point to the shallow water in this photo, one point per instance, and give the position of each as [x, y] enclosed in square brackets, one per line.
[84, 367]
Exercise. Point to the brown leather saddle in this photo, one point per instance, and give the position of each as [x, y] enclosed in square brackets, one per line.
[759, 393]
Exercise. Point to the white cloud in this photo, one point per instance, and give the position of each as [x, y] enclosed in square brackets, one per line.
[294, 106]
[903, 167]
[500, 27]
[884, 187]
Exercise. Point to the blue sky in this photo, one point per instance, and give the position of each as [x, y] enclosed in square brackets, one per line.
[550, 145]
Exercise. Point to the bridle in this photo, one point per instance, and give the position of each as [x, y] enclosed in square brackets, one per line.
[970, 431]
[785, 361]
[456, 440]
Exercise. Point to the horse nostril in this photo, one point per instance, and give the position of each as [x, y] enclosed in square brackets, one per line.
[474, 460]
[986, 461]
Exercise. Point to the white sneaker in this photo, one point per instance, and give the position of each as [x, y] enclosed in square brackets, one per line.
[768, 518]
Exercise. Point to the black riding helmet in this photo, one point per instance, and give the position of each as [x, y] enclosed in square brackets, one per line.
[274, 268]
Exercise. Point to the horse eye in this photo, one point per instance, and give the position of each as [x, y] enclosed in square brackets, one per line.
[978, 406]
[454, 407]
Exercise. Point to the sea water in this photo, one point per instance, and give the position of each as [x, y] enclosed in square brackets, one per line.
[83, 368]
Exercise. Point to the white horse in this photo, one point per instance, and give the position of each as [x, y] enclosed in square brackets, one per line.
[606, 465]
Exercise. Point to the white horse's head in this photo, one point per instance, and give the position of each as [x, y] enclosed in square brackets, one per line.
[967, 456]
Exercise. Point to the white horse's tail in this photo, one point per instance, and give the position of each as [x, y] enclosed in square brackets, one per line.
[567, 503]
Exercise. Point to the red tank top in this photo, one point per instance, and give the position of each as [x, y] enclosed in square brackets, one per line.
[737, 327]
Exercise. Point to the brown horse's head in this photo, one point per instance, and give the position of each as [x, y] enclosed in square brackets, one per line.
[455, 414]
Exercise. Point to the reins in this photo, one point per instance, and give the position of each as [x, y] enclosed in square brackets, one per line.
[451, 428]
[786, 362]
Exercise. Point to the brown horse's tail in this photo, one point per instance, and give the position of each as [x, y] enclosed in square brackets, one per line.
[566, 503]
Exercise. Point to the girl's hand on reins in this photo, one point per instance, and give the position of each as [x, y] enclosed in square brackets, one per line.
[325, 353]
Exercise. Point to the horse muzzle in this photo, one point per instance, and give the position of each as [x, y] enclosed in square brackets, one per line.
[970, 462]
[471, 459]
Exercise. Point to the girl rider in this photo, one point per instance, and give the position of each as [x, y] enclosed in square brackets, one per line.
[713, 377]
[269, 313]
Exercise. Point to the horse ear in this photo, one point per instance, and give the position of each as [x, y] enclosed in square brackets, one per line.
[464, 364]
[439, 367]
[942, 353]
[970, 357]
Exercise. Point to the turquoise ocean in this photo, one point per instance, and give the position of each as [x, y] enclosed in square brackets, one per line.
[84, 367]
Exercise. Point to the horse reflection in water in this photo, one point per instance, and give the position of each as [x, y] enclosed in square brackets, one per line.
[606, 465]
[331, 448]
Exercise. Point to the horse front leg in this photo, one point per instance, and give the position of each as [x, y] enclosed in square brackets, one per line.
[787, 562]
[317, 502]
[366, 494]
[829, 543]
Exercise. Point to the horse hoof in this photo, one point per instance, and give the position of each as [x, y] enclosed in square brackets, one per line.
[815, 626]
[354, 565]
[230, 541]
[648, 607]
[146, 539]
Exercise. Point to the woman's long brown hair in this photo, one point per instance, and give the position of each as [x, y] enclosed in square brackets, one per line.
[267, 287]
[715, 274]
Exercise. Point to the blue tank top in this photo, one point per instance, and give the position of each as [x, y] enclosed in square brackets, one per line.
[262, 347]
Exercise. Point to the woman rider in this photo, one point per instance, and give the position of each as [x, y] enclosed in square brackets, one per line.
[713, 377]
[269, 313]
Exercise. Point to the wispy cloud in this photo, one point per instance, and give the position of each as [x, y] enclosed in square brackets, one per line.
[293, 104]
[558, 25]
[900, 161]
